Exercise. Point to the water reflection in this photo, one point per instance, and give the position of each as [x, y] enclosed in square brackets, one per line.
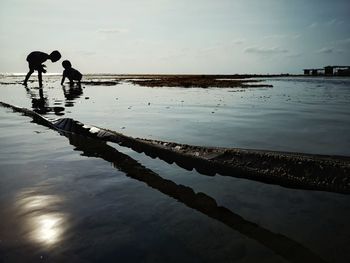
[281, 245]
[43, 223]
[40, 100]
[72, 93]
[47, 229]
[40, 104]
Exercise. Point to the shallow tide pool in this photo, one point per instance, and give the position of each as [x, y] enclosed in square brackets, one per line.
[75, 200]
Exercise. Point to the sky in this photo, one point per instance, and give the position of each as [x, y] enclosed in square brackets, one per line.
[177, 36]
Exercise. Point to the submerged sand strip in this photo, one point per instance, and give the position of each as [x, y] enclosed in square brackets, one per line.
[293, 170]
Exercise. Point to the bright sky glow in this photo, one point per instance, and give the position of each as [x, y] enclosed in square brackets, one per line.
[164, 36]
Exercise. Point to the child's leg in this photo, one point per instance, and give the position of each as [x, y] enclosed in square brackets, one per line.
[79, 81]
[28, 76]
[40, 78]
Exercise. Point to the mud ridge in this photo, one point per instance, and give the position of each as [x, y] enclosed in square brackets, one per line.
[198, 82]
[292, 170]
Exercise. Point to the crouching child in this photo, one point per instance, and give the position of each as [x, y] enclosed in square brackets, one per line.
[70, 73]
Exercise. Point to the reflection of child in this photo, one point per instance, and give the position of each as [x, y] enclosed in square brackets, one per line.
[36, 60]
[70, 73]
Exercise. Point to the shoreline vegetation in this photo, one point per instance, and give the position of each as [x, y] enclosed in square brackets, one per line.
[199, 81]
[184, 81]
[190, 80]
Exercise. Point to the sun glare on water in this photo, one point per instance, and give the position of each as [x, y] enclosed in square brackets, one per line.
[46, 225]
[47, 228]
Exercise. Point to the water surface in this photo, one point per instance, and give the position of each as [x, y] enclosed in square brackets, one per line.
[76, 200]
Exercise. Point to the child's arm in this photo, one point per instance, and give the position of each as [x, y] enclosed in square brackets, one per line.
[63, 77]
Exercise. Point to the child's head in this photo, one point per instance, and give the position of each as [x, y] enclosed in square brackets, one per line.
[66, 64]
[55, 56]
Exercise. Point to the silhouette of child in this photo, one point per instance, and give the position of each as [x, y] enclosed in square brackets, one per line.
[70, 73]
[36, 60]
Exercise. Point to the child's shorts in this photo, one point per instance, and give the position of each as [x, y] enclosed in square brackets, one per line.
[39, 68]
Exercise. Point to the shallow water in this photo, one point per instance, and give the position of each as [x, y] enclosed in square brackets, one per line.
[67, 199]
[297, 114]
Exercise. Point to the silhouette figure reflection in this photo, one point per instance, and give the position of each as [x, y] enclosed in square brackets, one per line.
[72, 93]
[281, 245]
[41, 105]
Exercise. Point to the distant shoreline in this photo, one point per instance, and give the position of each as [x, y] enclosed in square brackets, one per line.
[178, 80]
[219, 76]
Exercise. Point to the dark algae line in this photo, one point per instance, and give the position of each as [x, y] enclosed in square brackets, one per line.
[92, 147]
[292, 170]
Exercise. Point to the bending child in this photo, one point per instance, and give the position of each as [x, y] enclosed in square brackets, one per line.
[36, 60]
[70, 73]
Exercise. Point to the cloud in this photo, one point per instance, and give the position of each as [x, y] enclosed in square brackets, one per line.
[294, 55]
[328, 50]
[224, 45]
[113, 31]
[335, 22]
[343, 41]
[330, 23]
[313, 25]
[86, 53]
[283, 36]
[265, 51]
[238, 41]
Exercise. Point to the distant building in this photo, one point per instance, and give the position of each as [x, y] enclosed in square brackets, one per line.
[343, 72]
[314, 72]
[328, 71]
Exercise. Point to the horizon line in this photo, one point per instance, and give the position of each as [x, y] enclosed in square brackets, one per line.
[109, 73]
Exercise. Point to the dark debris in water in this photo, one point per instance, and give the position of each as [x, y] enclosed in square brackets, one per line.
[12, 83]
[100, 83]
